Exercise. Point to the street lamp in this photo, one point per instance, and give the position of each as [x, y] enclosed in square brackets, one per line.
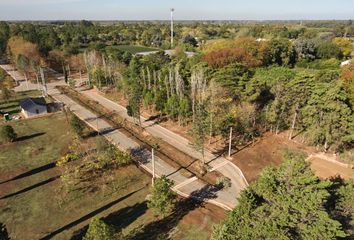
[172, 10]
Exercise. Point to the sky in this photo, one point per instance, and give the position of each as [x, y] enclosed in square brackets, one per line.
[185, 9]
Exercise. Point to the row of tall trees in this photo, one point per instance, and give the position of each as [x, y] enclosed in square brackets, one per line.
[215, 97]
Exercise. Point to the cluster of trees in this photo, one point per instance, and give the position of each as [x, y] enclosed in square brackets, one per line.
[230, 91]
[290, 202]
[289, 80]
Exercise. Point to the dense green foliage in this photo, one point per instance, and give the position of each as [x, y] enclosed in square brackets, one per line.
[7, 133]
[77, 126]
[99, 230]
[252, 77]
[290, 202]
[162, 199]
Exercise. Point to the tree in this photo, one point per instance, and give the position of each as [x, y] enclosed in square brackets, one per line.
[233, 78]
[344, 205]
[135, 91]
[99, 230]
[77, 126]
[327, 117]
[279, 51]
[345, 45]
[162, 198]
[7, 133]
[327, 50]
[200, 130]
[284, 203]
[4, 36]
[305, 49]
[226, 56]
[348, 77]
[3, 232]
[190, 40]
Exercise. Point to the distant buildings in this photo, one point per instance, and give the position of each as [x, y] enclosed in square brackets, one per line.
[32, 107]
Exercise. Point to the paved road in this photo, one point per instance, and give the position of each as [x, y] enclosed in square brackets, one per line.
[226, 198]
[220, 164]
[183, 185]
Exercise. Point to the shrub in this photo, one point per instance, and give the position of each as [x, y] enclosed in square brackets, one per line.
[8, 134]
[223, 182]
[99, 230]
[77, 126]
[67, 158]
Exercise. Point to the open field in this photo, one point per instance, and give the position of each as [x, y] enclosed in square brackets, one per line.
[34, 205]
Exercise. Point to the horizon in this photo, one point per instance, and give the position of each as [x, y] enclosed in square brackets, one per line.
[158, 10]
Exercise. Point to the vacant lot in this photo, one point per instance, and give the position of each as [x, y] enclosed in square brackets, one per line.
[34, 204]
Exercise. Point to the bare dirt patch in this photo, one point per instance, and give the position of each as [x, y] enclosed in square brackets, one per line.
[267, 151]
[325, 169]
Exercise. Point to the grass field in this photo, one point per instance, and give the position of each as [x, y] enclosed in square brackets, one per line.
[133, 49]
[33, 204]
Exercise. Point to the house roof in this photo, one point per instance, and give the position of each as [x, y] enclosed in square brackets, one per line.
[29, 102]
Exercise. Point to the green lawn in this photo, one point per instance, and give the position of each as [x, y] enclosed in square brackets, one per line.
[133, 49]
[34, 203]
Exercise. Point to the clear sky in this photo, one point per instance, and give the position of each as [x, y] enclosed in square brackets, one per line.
[185, 9]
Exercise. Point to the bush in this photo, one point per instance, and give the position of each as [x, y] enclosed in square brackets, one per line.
[111, 155]
[223, 182]
[77, 126]
[320, 64]
[8, 134]
[99, 230]
[67, 158]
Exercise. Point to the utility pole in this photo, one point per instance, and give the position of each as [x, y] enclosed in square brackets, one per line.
[230, 141]
[44, 84]
[172, 10]
[153, 165]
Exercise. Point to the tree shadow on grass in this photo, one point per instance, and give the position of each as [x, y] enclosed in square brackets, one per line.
[161, 228]
[27, 137]
[89, 215]
[119, 219]
[31, 172]
[30, 187]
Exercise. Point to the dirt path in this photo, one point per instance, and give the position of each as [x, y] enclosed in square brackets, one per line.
[325, 169]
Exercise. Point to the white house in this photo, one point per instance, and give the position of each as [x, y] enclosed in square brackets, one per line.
[32, 107]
